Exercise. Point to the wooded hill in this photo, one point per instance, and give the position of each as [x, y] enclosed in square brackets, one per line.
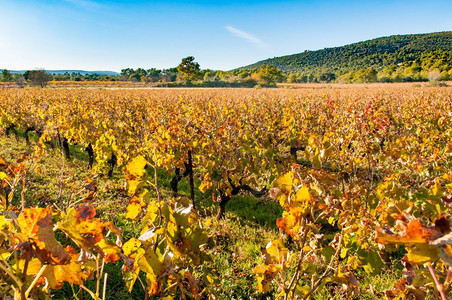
[427, 51]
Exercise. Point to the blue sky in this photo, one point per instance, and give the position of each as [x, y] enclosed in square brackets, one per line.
[112, 35]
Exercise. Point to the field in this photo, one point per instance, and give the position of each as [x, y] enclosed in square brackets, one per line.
[308, 191]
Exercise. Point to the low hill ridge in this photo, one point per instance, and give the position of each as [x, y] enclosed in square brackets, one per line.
[379, 52]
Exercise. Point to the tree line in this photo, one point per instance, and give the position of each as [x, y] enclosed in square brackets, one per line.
[188, 72]
[433, 66]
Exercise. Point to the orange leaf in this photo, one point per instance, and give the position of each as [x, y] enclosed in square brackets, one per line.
[415, 232]
[37, 227]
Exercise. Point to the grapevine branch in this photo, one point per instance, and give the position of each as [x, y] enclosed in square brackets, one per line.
[247, 188]
[300, 260]
[448, 277]
[327, 271]
[225, 197]
[178, 177]
[43, 268]
[438, 285]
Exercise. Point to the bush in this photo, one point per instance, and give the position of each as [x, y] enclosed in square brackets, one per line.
[437, 84]
[38, 77]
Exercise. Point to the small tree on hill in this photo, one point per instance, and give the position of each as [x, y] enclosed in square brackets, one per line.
[270, 74]
[188, 69]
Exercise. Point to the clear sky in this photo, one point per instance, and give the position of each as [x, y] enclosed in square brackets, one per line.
[112, 35]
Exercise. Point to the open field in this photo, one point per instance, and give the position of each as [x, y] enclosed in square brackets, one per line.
[321, 191]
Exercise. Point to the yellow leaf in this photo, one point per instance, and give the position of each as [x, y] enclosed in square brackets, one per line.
[133, 185]
[132, 249]
[110, 250]
[307, 248]
[87, 231]
[204, 186]
[344, 252]
[136, 166]
[4, 254]
[264, 276]
[354, 262]
[134, 208]
[422, 253]
[302, 195]
[303, 289]
[135, 170]
[131, 246]
[284, 181]
[277, 250]
[3, 223]
[344, 276]
[436, 188]
[56, 275]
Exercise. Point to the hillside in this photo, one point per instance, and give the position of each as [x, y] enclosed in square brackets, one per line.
[379, 52]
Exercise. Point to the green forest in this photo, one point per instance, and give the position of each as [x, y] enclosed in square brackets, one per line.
[414, 57]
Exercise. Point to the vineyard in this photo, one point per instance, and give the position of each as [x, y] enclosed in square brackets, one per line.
[308, 193]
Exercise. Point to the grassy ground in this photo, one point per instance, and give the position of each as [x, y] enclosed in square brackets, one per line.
[249, 225]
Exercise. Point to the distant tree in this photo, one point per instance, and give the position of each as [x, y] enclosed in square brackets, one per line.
[145, 79]
[126, 73]
[270, 74]
[139, 74]
[38, 77]
[6, 76]
[327, 77]
[347, 77]
[76, 76]
[170, 74]
[223, 75]
[311, 77]
[154, 74]
[382, 78]
[188, 69]
[292, 78]
[133, 75]
[434, 75]
[302, 77]
[365, 76]
[207, 76]
[445, 75]
[20, 80]
[62, 77]
[241, 73]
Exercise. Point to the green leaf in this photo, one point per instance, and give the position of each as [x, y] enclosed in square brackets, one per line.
[371, 261]
[328, 252]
